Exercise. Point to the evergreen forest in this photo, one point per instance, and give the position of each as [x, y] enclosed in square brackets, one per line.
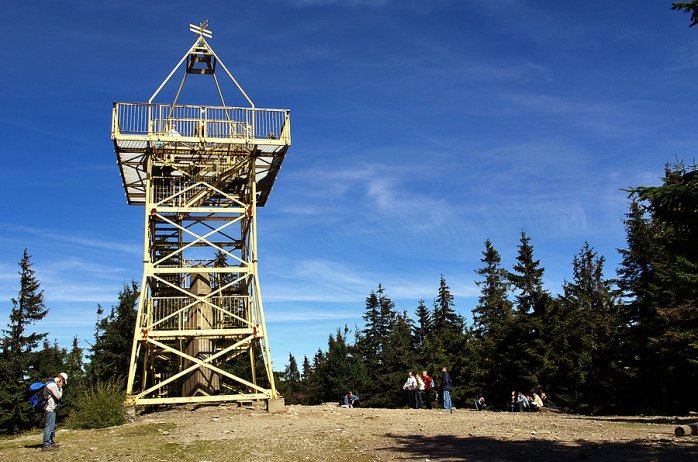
[621, 345]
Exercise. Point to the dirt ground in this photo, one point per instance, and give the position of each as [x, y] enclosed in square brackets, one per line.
[330, 433]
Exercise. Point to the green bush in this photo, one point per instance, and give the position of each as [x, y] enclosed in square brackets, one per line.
[98, 405]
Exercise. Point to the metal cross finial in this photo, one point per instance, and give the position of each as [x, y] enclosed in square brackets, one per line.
[201, 29]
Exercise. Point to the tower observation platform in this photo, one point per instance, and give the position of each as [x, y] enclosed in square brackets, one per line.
[200, 172]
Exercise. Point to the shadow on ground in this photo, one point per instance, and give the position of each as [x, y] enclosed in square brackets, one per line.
[34, 446]
[453, 448]
[644, 420]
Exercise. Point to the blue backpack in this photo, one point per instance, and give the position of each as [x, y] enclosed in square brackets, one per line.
[39, 395]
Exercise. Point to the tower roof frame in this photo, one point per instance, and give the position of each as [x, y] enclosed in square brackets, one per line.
[201, 47]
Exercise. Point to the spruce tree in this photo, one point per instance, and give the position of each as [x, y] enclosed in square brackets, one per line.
[339, 370]
[28, 308]
[111, 353]
[445, 317]
[688, 7]
[371, 336]
[47, 362]
[533, 306]
[400, 356]
[424, 324]
[494, 313]
[290, 381]
[75, 366]
[659, 279]
[588, 339]
[18, 344]
[422, 331]
[292, 374]
[316, 382]
[493, 322]
[307, 373]
[448, 342]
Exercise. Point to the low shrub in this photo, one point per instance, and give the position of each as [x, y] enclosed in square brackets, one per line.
[98, 405]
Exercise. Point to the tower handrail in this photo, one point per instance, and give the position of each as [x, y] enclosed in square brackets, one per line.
[191, 121]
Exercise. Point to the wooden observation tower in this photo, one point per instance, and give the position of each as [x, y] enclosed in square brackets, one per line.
[200, 172]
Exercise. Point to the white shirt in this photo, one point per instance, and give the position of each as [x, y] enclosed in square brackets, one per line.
[53, 391]
[411, 384]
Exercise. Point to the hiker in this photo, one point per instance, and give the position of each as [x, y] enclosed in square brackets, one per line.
[546, 401]
[446, 388]
[514, 403]
[420, 391]
[351, 400]
[479, 402]
[53, 393]
[537, 400]
[428, 386]
[412, 389]
[523, 402]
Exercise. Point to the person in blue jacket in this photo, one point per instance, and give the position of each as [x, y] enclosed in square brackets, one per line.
[352, 400]
[446, 388]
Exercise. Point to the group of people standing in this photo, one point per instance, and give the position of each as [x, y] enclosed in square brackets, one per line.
[420, 389]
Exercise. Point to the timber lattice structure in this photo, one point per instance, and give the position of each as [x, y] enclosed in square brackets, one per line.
[200, 172]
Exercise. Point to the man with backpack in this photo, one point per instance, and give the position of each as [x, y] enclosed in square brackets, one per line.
[53, 391]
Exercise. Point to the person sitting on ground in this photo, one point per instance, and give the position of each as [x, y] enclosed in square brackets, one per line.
[537, 400]
[524, 405]
[351, 400]
[479, 402]
[532, 406]
[546, 401]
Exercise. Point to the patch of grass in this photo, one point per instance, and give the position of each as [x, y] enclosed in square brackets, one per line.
[146, 429]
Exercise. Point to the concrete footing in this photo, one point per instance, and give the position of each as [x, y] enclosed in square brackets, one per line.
[276, 405]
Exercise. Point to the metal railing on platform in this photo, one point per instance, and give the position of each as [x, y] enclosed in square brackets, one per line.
[233, 123]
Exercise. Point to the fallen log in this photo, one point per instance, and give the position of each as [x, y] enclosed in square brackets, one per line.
[690, 429]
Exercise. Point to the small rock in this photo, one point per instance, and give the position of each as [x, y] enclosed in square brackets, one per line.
[93, 449]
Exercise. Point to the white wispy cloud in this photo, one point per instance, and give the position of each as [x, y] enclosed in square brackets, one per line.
[315, 315]
[72, 238]
[331, 281]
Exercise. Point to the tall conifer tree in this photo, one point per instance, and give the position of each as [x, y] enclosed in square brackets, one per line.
[587, 340]
[18, 343]
[659, 278]
[493, 319]
[445, 317]
[533, 304]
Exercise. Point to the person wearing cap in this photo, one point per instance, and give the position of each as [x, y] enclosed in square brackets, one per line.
[54, 392]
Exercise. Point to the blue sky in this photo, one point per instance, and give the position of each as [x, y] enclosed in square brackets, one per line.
[420, 128]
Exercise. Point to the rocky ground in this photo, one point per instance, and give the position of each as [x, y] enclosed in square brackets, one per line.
[330, 433]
